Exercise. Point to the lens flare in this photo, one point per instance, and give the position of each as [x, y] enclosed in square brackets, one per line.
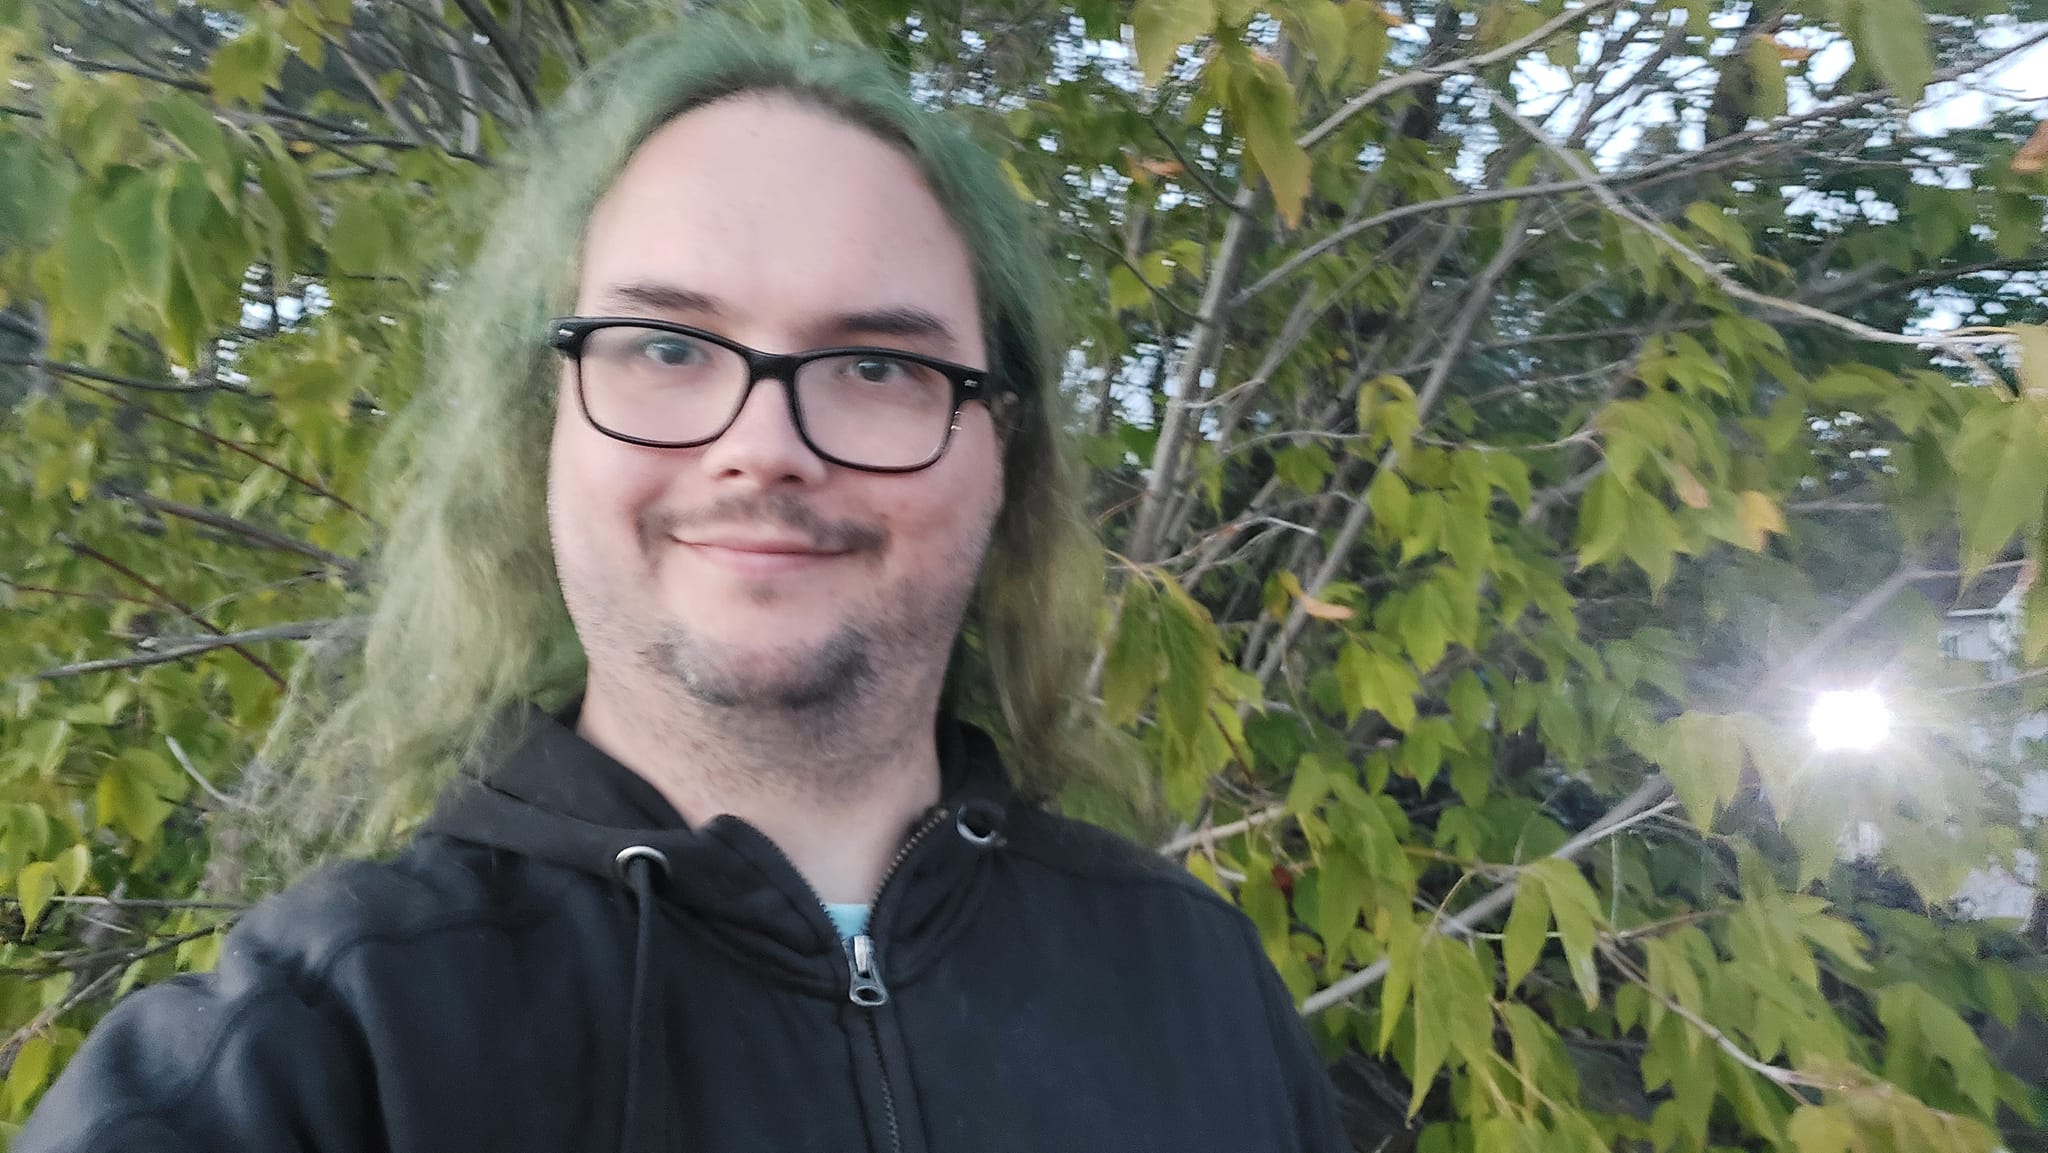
[1855, 720]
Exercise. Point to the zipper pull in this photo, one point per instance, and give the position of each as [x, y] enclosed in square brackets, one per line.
[866, 988]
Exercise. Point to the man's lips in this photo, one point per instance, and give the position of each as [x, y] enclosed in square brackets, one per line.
[756, 556]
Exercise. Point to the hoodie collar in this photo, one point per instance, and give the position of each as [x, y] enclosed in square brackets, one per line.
[556, 797]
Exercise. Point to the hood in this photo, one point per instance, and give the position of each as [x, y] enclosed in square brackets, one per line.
[555, 797]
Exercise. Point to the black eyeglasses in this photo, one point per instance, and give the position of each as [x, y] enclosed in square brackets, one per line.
[663, 385]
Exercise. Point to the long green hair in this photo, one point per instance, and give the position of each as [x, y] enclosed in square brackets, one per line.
[466, 617]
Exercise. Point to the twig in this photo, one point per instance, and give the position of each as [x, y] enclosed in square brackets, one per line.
[168, 601]
[1202, 342]
[1433, 73]
[145, 903]
[1211, 835]
[1785, 1079]
[1648, 794]
[241, 528]
[206, 786]
[1614, 203]
[296, 631]
[49, 1016]
[221, 441]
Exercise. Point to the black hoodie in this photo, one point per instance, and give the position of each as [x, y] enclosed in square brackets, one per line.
[557, 962]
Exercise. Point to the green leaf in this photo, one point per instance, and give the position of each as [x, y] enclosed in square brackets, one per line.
[32, 1066]
[1911, 1015]
[1767, 74]
[1822, 1129]
[1453, 1011]
[246, 65]
[1341, 888]
[1160, 27]
[1603, 520]
[192, 125]
[1262, 103]
[1126, 291]
[1389, 499]
[35, 885]
[1131, 670]
[1426, 626]
[1701, 755]
[1187, 639]
[1577, 911]
[130, 794]
[2000, 456]
[1372, 680]
[1303, 467]
[1527, 929]
[355, 241]
[1892, 35]
[1403, 937]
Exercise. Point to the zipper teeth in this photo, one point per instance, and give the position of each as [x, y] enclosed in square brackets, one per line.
[918, 834]
[888, 1094]
[931, 822]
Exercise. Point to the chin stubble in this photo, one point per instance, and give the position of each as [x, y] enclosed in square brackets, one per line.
[840, 673]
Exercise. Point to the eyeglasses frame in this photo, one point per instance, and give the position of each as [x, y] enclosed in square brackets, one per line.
[567, 335]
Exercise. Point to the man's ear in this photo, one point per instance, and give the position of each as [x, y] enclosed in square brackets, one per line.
[1006, 409]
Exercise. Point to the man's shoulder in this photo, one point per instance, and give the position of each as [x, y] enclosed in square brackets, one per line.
[1091, 854]
[421, 894]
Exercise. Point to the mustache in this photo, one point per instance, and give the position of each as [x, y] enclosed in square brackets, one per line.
[783, 509]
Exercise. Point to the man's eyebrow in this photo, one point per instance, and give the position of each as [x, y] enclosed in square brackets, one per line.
[901, 320]
[660, 297]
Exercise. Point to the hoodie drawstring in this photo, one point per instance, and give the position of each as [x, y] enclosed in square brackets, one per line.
[635, 865]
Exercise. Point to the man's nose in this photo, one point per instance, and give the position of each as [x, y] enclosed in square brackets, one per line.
[763, 442]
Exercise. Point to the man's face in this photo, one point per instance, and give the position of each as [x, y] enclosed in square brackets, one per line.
[749, 570]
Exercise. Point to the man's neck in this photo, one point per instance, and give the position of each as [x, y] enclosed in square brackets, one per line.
[837, 799]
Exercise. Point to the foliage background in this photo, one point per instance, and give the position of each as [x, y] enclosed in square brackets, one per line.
[1504, 416]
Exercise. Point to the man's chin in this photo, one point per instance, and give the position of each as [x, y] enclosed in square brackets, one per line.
[785, 675]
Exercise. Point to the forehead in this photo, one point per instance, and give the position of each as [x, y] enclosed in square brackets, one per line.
[782, 213]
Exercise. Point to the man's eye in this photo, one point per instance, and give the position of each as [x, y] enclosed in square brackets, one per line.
[672, 351]
[877, 369]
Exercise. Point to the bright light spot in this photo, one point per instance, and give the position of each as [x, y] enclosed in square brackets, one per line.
[1850, 719]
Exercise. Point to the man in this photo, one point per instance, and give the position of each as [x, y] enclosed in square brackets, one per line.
[755, 887]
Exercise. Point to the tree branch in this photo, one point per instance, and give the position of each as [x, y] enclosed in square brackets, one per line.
[251, 532]
[1652, 792]
[1614, 203]
[1478, 300]
[182, 647]
[1433, 73]
[168, 601]
[222, 442]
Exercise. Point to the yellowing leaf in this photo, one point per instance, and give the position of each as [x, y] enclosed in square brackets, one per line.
[1822, 1129]
[1759, 516]
[71, 866]
[1322, 610]
[2033, 341]
[2033, 155]
[35, 885]
[1689, 488]
[1160, 27]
